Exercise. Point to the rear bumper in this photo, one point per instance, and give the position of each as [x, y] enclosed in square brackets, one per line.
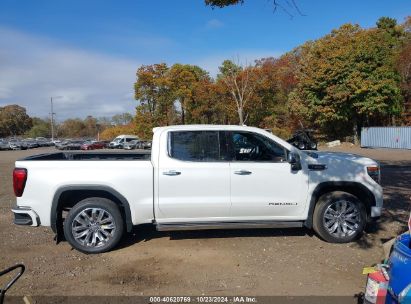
[25, 216]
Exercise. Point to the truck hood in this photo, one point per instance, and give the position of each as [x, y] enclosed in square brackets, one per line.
[324, 157]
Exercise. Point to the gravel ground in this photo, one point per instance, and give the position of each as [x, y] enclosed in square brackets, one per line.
[247, 262]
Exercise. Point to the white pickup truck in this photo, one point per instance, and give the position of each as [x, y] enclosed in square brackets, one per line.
[197, 177]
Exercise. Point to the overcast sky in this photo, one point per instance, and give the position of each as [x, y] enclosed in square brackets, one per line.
[87, 52]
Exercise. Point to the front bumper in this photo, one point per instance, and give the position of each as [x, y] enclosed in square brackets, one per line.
[25, 216]
[376, 212]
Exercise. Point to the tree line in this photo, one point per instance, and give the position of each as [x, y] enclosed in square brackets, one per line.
[14, 121]
[348, 79]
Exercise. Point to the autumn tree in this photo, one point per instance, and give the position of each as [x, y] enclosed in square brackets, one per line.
[212, 104]
[153, 92]
[14, 120]
[112, 132]
[277, 81]
[90, 127]
[241, 83]
[71, 128]
[184, 79]
[122, 119]
[347, 80]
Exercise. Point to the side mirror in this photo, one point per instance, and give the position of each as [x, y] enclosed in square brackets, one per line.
[291, 158]
[294, 160]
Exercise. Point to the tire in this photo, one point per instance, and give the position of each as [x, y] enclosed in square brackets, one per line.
[301, 145]
[335, 225]
[98, 223]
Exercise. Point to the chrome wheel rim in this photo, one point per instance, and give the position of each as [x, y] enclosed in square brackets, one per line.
[93, 227]
[342, 219]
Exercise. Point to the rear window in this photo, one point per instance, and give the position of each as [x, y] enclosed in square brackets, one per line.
[195, 146]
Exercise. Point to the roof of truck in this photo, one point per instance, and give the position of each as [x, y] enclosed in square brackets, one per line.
[202, 127]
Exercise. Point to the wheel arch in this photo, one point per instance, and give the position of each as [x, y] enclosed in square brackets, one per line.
[68, 196]
[354, 188]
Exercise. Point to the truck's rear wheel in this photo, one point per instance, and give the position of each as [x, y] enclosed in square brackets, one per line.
[94, 225]
[339, 217]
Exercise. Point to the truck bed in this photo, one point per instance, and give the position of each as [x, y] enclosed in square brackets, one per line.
[61, 156]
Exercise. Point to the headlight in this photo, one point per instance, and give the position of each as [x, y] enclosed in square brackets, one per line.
[374, 173]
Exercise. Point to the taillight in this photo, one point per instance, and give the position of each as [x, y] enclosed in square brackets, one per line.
[19, 181]
[374, 173]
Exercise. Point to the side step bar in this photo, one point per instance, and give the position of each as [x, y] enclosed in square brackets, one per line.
[226, 225]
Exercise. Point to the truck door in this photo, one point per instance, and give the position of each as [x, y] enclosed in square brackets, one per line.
[193, 178]
[262, 182]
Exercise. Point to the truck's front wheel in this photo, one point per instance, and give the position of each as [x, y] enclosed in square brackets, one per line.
[94, 225]
[339, 217]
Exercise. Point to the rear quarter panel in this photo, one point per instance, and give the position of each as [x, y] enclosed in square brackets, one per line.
[132, 179]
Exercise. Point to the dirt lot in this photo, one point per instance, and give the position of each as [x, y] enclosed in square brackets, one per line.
[246, 262]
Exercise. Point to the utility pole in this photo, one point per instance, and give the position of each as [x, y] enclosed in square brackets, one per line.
[52, 119]
[52, 116]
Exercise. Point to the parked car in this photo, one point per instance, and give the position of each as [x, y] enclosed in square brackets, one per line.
[198, 177]
[70, 145]
[60, 145]
[4, 145]
[106, 143]
[17, 145]
[74, 145]
[147, 144]
[143, 144]
[119, 141]
[44, 142]
[92, 145]
[131, 145]
[31, 144]
[56, 142]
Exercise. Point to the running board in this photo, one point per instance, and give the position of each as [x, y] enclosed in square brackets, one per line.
[226, 225]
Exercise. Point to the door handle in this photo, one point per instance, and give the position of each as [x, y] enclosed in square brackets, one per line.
[242, 172]
[171, 173]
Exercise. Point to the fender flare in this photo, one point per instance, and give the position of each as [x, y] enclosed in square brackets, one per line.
[337, 186]
[54, 216]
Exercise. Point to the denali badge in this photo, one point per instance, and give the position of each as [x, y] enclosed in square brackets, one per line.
[282, 204]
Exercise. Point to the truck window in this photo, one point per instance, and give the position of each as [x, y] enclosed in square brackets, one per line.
[246, 146]
[195, 146]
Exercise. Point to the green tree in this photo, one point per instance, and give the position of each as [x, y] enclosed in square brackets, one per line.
[40, 128]
[347, 80]
[14, 120]
[403, 64]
